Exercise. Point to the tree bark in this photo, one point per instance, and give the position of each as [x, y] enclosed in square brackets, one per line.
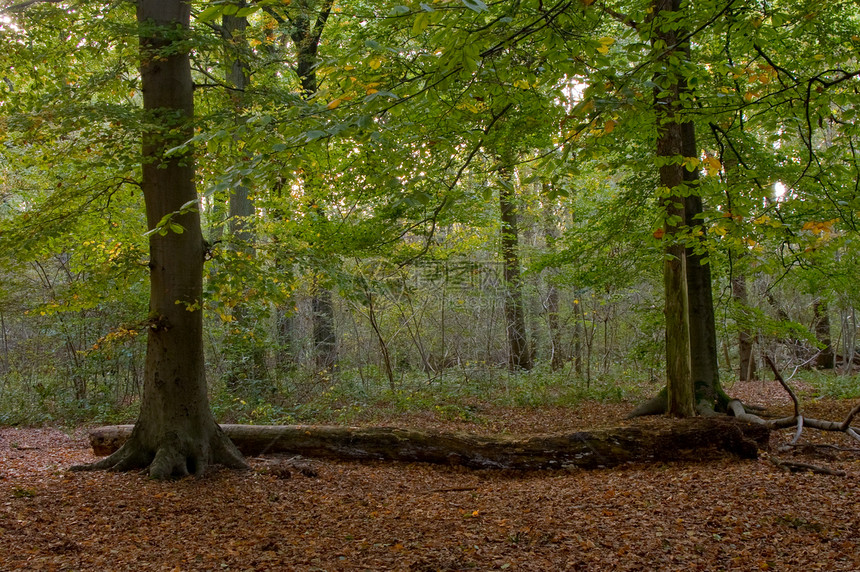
[704, 362]
[690, 439]
[245, 354]
[679, 383]
[176, 433]
[519, 350]
[826, 358]
[747, 368]
[306, 36]
[551, 307]
[325, 337]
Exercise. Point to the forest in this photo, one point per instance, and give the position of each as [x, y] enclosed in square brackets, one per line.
[455, 217]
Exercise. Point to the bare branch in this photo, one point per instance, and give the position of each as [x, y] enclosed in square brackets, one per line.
[785, 385]
[846, 425]
[796, 467]
[26, 4]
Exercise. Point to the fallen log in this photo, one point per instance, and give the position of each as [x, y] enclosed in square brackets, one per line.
[688, 439]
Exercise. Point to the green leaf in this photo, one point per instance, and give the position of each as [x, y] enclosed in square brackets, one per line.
[190, 206]
[422, 20]
[211, 13]
[247, 11]
[314, 135]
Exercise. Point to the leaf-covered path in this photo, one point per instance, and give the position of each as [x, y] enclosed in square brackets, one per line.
[323, 515]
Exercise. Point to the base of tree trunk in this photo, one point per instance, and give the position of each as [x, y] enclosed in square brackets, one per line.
[165, 456]
[687, 439]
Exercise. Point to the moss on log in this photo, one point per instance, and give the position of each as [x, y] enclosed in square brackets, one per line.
[687, 439]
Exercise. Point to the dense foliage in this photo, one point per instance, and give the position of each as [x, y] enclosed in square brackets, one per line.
[413, 175]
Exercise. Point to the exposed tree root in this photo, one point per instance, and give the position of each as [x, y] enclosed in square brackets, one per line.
[706, 405]
[657, 405]
[705, 408]
[797, 420]
[172, 456]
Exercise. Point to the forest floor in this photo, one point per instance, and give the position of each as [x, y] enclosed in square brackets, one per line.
[729, 514]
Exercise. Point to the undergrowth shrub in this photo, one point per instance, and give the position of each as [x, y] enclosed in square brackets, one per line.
[833, 385]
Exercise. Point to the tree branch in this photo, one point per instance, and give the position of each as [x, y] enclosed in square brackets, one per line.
[26, 4]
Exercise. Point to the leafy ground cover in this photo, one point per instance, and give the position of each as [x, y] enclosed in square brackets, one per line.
[326, 515]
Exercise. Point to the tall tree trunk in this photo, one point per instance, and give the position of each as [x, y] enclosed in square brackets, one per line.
[679, 384]
[704, 361]
[578, 333]
[325, 339]
[557, 357]
[308, 21]
[747, 365]
[826, 358]
[245, 353]
[519, 352]
[176, 433]
[747, 368]
[551, 234]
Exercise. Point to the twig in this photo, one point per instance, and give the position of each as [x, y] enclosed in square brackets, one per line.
[815, 446]
[795, 467]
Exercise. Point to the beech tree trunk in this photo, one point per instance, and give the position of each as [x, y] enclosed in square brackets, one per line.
[826, 358]
[679, 383]
[551, 307]
[689, 439]
[704, 361]
[747, 368]
[306, 38]
[176, 433]
[245, 354]
[519, 350]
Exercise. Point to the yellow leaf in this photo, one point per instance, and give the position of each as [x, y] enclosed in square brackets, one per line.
[609, 127]
[604, 44]
[334, 103]
[375, 63]
[521, 83]
[713, 164]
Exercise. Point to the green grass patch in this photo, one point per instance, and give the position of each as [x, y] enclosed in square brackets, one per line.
[832, 384]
